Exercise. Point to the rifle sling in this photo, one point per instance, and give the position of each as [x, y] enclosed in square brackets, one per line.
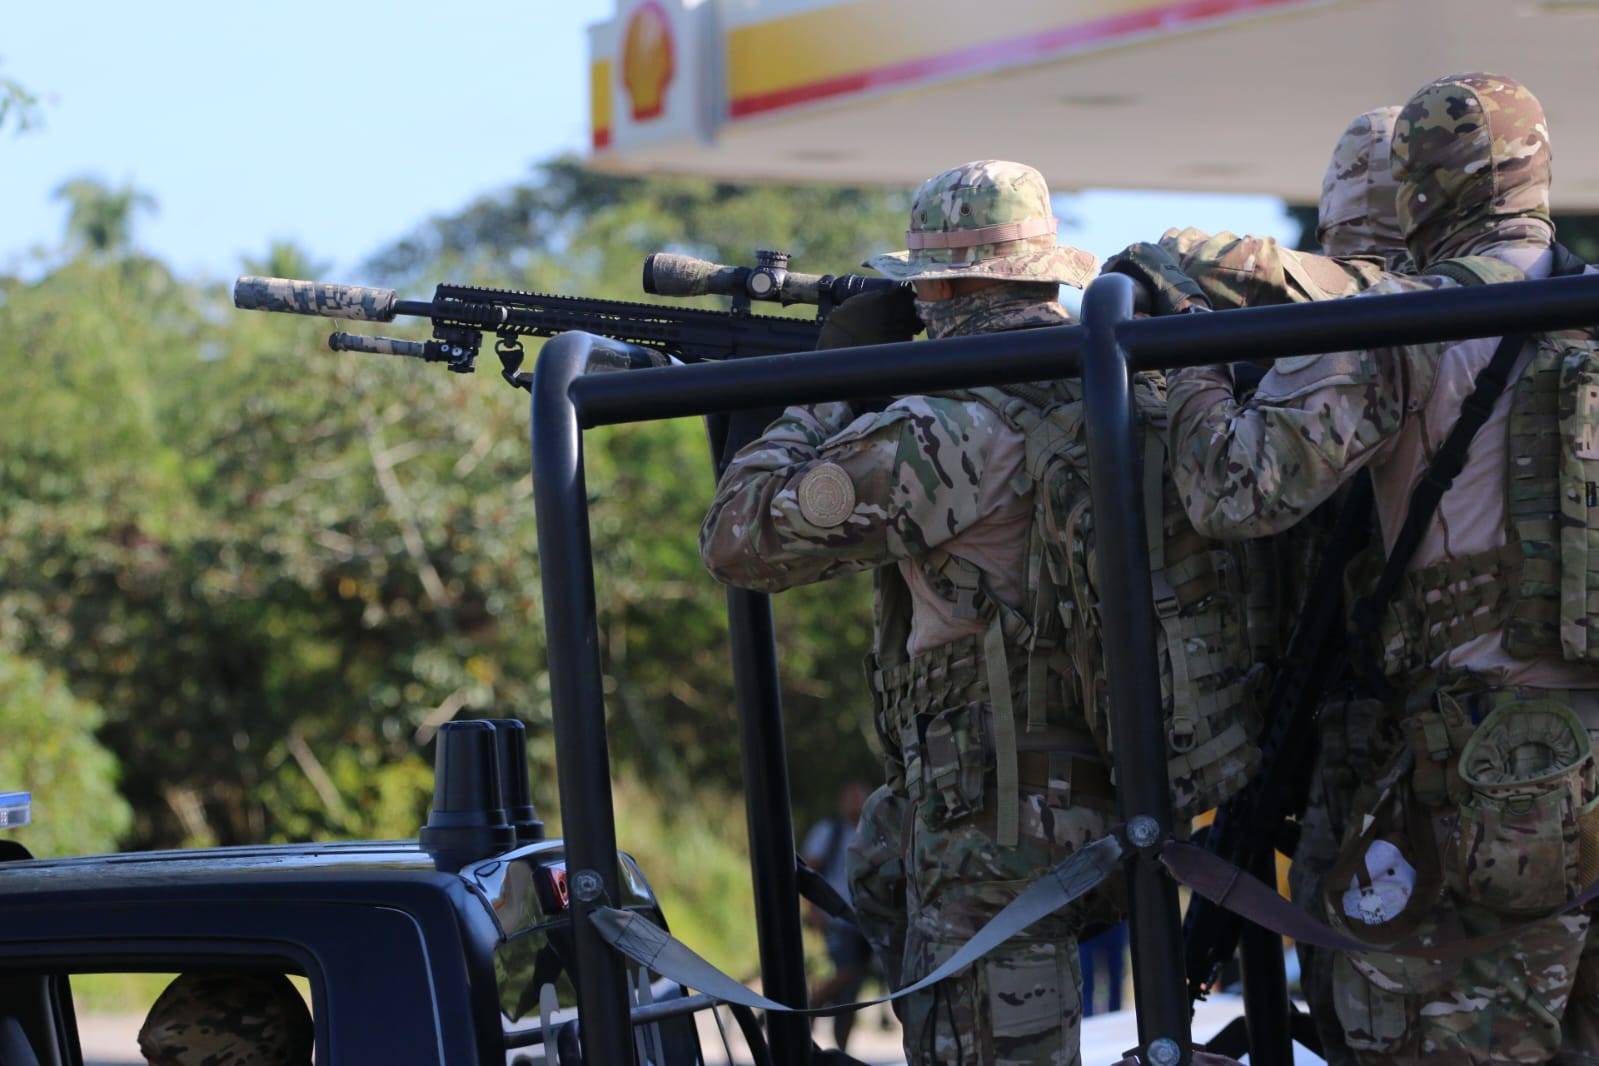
[1247, 896]
[1489, 384]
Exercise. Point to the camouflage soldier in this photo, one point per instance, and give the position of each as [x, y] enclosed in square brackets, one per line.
[1475, 805]
[972, 507]
[1357, 226]
[240, 1018]
[931, 490]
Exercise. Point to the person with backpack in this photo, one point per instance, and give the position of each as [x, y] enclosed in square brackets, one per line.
[1475, 816]
[971, 510]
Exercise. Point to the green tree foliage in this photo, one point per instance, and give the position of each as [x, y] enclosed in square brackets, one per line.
[277, 571]
[19, 108]
[100, 218]
[48, 747]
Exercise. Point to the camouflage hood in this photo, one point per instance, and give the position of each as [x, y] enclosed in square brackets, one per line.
[986, 219]
[1471, 152]
[240, 1018]
[1359, 212]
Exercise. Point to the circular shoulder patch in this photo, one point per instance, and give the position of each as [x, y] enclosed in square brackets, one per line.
[826, 496]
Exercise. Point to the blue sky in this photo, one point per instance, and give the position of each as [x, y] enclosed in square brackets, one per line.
[342, 126]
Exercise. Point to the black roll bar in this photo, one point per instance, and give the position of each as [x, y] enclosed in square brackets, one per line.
[1106, 349]
[1132, 672]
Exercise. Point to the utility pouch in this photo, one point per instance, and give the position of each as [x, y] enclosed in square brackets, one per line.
[1436, 736]
[1530, 771]
[1387, 882]
[1579, 502]
[956, 755]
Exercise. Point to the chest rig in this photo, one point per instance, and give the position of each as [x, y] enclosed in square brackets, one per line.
[1040, 668]
[1541, 588]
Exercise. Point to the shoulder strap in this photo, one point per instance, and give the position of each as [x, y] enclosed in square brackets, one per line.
[1488, 386]
[1567, 262]
[1486, 389]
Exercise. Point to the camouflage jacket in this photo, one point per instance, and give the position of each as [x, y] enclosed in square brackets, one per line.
[822, 493]
[1247, 271]
[1255, 468]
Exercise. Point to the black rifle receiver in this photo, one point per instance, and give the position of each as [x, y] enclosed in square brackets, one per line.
[462, 315]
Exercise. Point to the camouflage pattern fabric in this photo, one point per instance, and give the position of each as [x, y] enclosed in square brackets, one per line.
[978, 208]
[822, 493]
[1013, 305]
[237, 1018]
[876, 865]
[1471, 159]
[1359, 232]
[1470, 151]
[314, 298]
[1235, 271]
[1359, 211]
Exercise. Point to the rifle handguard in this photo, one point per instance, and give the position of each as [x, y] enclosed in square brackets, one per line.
[314, 298]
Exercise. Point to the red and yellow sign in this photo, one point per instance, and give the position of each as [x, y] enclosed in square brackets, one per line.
[649, 60]
[600, 103]
[808, 57]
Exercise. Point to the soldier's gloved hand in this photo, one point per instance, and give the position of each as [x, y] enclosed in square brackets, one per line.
[882, 316]
[1171, 292]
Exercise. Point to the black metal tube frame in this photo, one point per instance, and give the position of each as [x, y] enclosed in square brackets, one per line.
[1115, 345]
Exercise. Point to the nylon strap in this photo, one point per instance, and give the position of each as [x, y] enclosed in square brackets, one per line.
[1249, 898]
[1486, 388]
[647, 944]
[1489, 384]
[1007, 813]
[916, 240]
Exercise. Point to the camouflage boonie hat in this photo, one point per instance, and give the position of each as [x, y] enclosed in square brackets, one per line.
[1359, 211]
[1468, 149]
[987, 219]
[242, 1019]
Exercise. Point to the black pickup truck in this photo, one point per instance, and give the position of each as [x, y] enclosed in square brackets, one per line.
[407, 962]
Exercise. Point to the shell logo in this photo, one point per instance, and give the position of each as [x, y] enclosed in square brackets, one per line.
[649, 60]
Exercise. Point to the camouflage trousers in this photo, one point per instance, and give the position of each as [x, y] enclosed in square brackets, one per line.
[1022, 1004]
[1534, 999]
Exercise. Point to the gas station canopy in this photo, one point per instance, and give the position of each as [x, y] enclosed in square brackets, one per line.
[1241, 96]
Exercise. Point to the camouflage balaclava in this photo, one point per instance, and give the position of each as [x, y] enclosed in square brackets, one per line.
[987, 219]
[241, 1018]
[1000, 306]
[1471, 152]
[1359, 212]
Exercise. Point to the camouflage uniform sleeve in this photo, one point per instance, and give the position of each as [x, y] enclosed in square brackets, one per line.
[1258, 271]
[1256, 468]
[809, 500]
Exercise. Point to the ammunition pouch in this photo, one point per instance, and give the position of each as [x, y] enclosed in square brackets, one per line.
[940, 711]
[1529, 776]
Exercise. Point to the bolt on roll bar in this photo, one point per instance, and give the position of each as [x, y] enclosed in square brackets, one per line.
[1109, 347]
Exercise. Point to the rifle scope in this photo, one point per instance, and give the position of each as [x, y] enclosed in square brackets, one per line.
[666, 274]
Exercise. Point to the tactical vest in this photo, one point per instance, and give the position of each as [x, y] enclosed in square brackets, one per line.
[1541, 588]
[1053, 654]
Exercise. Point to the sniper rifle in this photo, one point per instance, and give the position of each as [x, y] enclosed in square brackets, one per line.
[464, 315]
